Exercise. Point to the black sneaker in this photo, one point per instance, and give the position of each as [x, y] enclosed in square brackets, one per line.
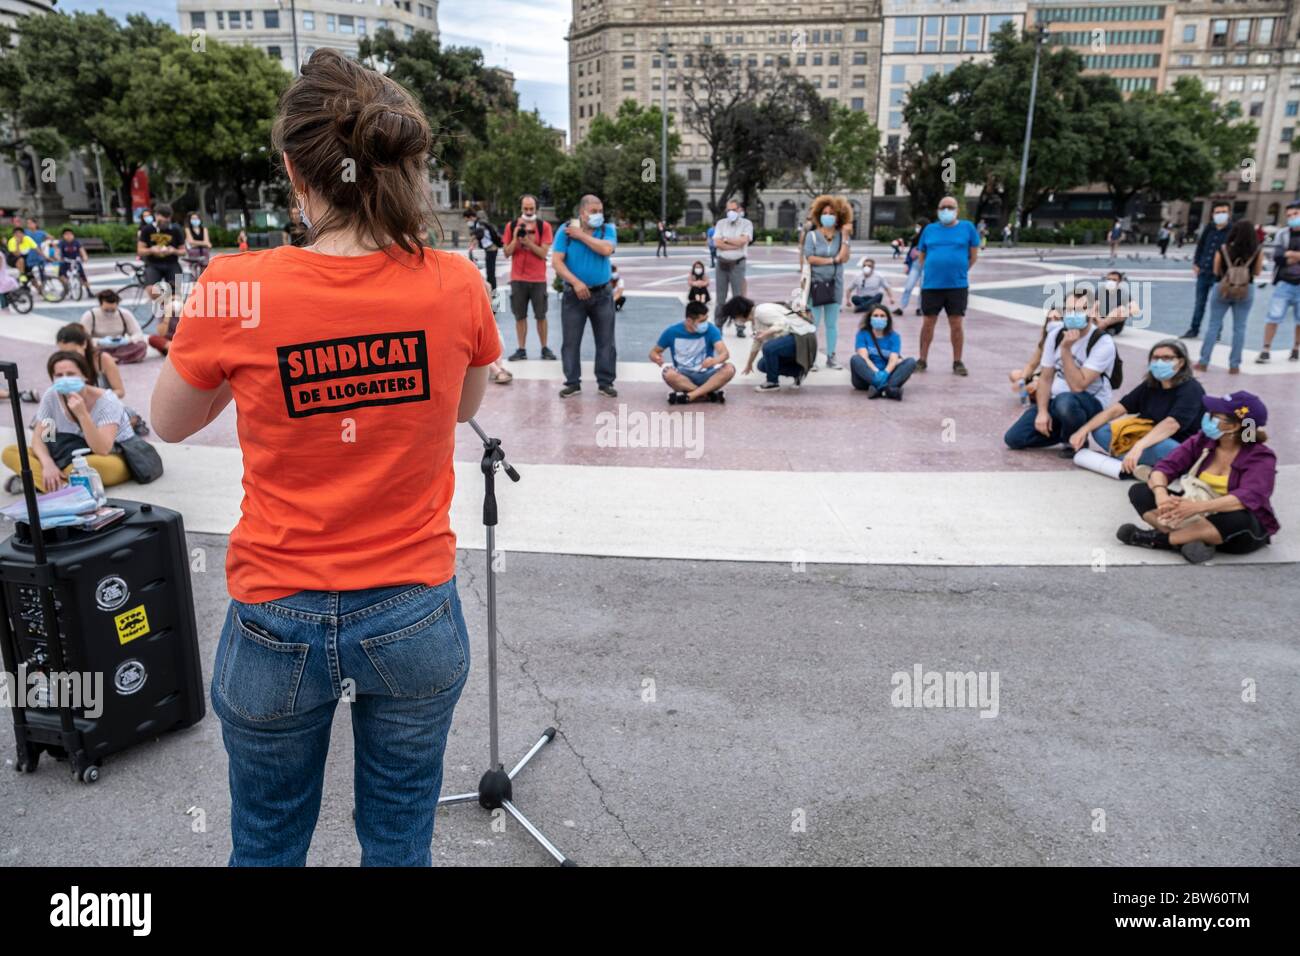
[608, 390]
[1294, 356]
[873, 392]
[517, 355]
[920, 365]
[1190, 334]
[1197, 552]
[547, 354]
[959, 369]
[895, 392]
[570, 390]
[719, 397]
[1066, 452]
[1262, 357]
[1140, 537]
[767, 387]
[674, 398]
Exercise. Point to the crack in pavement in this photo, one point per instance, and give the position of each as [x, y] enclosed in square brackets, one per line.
[524, 660]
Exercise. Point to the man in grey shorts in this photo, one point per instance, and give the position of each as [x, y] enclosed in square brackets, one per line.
[527, 240]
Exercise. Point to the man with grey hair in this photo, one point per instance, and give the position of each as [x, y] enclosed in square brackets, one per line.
[732, 235]
[581, 253]
[527, 241]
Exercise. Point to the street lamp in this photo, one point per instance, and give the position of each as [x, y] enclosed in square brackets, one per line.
[663, 133]
[1040, 38]
[293, 23]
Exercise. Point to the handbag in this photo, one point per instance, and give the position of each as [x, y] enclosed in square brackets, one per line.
[142, 459]
[822, 291]
[1194, 489]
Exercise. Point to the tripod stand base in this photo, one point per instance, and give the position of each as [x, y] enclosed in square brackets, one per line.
[496, 790]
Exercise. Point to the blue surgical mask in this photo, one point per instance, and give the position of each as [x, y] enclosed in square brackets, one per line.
[878, 323]
[1161, 369]
[827, 220]
[195, 223]
[732, 215]
[1074, 320]
[1220, 219]
[596, 220]
[947, 216]
[1210, 426]
[1293, 222]
[68, 384]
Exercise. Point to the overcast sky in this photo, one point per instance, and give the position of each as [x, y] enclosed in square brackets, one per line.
[524, 36]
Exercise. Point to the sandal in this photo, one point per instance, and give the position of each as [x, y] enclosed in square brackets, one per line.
[503, 377]
[27, 395]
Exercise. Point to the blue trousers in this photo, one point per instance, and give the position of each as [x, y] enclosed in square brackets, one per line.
[1240, 317]
[778, 359]
[1204, 283]
[1070, 411]
[1149, 457]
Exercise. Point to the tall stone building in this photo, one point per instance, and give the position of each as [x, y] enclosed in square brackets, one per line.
[614, 55]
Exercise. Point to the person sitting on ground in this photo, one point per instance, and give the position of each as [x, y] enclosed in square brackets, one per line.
[1024, 381]
[169, 320]
[1078, 362]
[697, 284]
[73, 338]
[73, 414]
[697, 366]
[1153, 419]
[1115, 305]
[784, 342]
[877, 366]
[1226, 474]
[870, 289]
[616, 284]
[115, 329]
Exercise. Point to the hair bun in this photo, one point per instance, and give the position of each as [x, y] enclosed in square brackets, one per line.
[387, 133]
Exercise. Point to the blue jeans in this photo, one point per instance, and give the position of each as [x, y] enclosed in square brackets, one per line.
[1070, 411]
[398, 655]
[1204, 283]
[1285, 296]
[778, 359]
[574, 313]
[913, 277]
[1240, 316]
[831, 313]
[860, 373]
[865, 303]
[1149, 457]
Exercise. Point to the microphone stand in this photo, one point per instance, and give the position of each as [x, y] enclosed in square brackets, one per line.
[495, 789]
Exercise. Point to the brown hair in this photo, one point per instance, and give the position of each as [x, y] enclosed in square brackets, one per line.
[74, 357]
[75, 333]
[839, 206]
[107, 295]
[339, 110]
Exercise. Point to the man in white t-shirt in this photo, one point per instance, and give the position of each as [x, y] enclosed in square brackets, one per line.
[1080, 361]
[732, 236]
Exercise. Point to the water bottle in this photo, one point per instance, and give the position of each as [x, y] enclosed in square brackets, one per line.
[87, 477]
[1024, 392]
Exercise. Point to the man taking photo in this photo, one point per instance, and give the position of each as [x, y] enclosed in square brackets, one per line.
[527, 241]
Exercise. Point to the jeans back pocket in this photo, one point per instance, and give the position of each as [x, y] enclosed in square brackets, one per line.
[422, 659]
[260, 673]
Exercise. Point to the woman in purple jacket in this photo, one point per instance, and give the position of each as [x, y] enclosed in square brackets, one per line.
[1229, 454]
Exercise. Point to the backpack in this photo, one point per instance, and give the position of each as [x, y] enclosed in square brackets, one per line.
[1235, 284]
[1116, 374]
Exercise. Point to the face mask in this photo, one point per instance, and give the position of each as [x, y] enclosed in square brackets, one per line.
[732, 215]
[878, 323]
[699, 272]
[596, 220]
[148, 220]
[1075, 320]
[1112, 284]
[529, 216]
[827, 220]
[1293, 222]
[947, 216]
[68, 384]
[1162, 369]
[1220, 219]
[1210, 426]
[195, 223]
[701, 327]
[866, 270]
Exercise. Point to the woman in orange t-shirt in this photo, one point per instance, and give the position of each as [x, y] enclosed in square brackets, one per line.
[350, 360]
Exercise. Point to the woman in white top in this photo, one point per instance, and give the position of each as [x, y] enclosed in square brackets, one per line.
[115, 329]
[777, 331]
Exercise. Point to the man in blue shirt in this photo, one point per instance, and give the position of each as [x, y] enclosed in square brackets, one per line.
[580, 257]
[696, 365]
[945, 252]
[1212, 237]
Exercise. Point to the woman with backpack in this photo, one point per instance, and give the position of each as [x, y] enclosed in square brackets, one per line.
[1236, 265]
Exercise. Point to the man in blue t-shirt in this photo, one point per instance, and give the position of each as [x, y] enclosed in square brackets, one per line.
[946, 251]
[696, 365]
[580, 256]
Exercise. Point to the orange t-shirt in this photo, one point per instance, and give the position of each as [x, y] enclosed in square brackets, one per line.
[346, 374]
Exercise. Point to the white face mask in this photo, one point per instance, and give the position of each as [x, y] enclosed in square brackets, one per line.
[1112, 284]
[732, 215]
[529, 216]
[866, 270]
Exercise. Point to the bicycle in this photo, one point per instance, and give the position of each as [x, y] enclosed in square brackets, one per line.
[21, 299]
[133, 295]
[75, 277]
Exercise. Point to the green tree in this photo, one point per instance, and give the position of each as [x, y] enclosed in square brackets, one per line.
[848, 160]
[456, 91]
[519, 157]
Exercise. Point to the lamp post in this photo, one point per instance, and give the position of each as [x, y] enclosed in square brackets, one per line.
[1040, 38]
[663, 133]
[293, 25]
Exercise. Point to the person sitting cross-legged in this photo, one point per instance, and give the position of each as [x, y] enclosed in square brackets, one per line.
[877, 366]
[1078, 360]
[695, 366]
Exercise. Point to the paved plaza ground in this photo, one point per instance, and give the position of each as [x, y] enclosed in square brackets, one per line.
[764, 580]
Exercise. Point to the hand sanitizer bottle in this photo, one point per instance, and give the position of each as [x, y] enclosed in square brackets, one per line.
[87, 477]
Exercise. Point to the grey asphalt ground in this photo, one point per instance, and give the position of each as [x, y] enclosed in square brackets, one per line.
[771, 707]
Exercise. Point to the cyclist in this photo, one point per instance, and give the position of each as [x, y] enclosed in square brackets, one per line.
[160, 246]
[28, 256]
[198, 245]
[73, 258]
